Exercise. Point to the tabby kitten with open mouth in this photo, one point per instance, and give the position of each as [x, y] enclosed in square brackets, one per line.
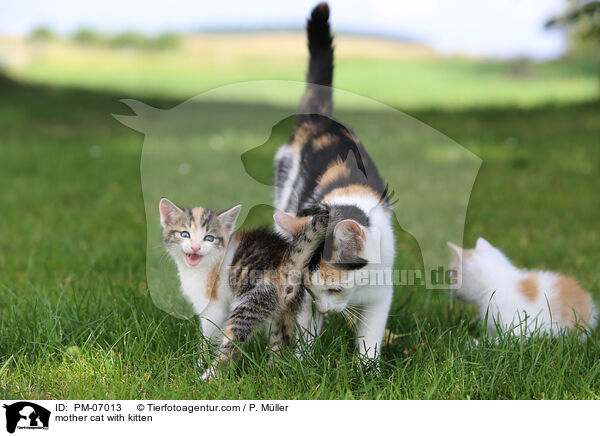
[248, 277]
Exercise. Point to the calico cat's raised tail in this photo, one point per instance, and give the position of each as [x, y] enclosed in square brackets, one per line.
[318, 99]
[325, 164]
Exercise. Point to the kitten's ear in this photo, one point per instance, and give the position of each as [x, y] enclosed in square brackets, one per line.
[482, 243]
[290, 223]
[168, 211]
[456, 250]
[349, 241]
[229, 217]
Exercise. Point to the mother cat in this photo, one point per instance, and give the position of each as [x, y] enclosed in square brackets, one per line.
[324, 162]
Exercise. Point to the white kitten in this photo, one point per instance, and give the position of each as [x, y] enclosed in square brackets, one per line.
[517, 299]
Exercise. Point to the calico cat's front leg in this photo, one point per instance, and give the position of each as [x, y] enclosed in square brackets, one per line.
[371, 325]
[248, 312]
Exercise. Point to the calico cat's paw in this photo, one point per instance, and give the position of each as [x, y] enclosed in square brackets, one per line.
[211, 373]
[370, 364]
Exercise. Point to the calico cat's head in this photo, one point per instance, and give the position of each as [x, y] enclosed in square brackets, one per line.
[332, 267]
[194, 236]
[476, 269]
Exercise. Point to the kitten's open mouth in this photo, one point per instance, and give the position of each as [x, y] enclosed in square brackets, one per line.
[193, 259]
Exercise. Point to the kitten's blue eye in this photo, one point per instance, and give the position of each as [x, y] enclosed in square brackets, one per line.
[184, 235]
[209, 238]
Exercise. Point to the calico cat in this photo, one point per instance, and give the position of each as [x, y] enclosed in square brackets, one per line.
[249, 277]
[324, 163]
[519, 300]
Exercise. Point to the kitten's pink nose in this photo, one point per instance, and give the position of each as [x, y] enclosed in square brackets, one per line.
[195, 248]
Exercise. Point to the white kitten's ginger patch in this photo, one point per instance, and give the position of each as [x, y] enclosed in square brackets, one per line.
[529, 287]
[572, 303]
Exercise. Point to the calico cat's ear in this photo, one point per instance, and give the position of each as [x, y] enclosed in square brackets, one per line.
[349, 241]
[229, 217]
[347, 230]
[168, 211]
[291, 223]
[482, 243]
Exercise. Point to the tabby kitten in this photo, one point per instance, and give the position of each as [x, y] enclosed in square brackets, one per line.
[248, 277]
[324, 163]
[516, 300]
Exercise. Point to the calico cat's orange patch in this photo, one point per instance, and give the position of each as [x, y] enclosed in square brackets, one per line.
[330, 275]
[301, 135]
[323, 141]
[572, 301]
[350, 135]
[529, 287]
[355, 190]
[335, 171]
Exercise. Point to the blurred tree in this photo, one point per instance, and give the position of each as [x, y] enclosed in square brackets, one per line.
[138, 40]
[581, 18]
[42, 33]
[130, 39]
[86, 36]
[166, 40]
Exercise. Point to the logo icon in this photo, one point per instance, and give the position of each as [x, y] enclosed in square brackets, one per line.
[26, 415]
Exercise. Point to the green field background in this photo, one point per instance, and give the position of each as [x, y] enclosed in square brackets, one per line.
[77, 319]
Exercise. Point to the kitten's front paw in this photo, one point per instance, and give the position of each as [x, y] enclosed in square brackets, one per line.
[205, 356]
[303, 354]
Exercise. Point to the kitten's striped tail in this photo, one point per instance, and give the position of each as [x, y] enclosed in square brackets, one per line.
[318, 99]
[304, 245]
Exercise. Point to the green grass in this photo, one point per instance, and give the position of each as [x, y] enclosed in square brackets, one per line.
[74, 241]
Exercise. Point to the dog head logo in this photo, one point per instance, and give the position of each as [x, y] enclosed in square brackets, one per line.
[218, 148]
[26, 415]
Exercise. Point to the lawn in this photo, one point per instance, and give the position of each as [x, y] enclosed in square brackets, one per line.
[400, 74]
[77, 319]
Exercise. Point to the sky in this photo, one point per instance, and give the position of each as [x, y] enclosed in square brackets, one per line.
[494, 28]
